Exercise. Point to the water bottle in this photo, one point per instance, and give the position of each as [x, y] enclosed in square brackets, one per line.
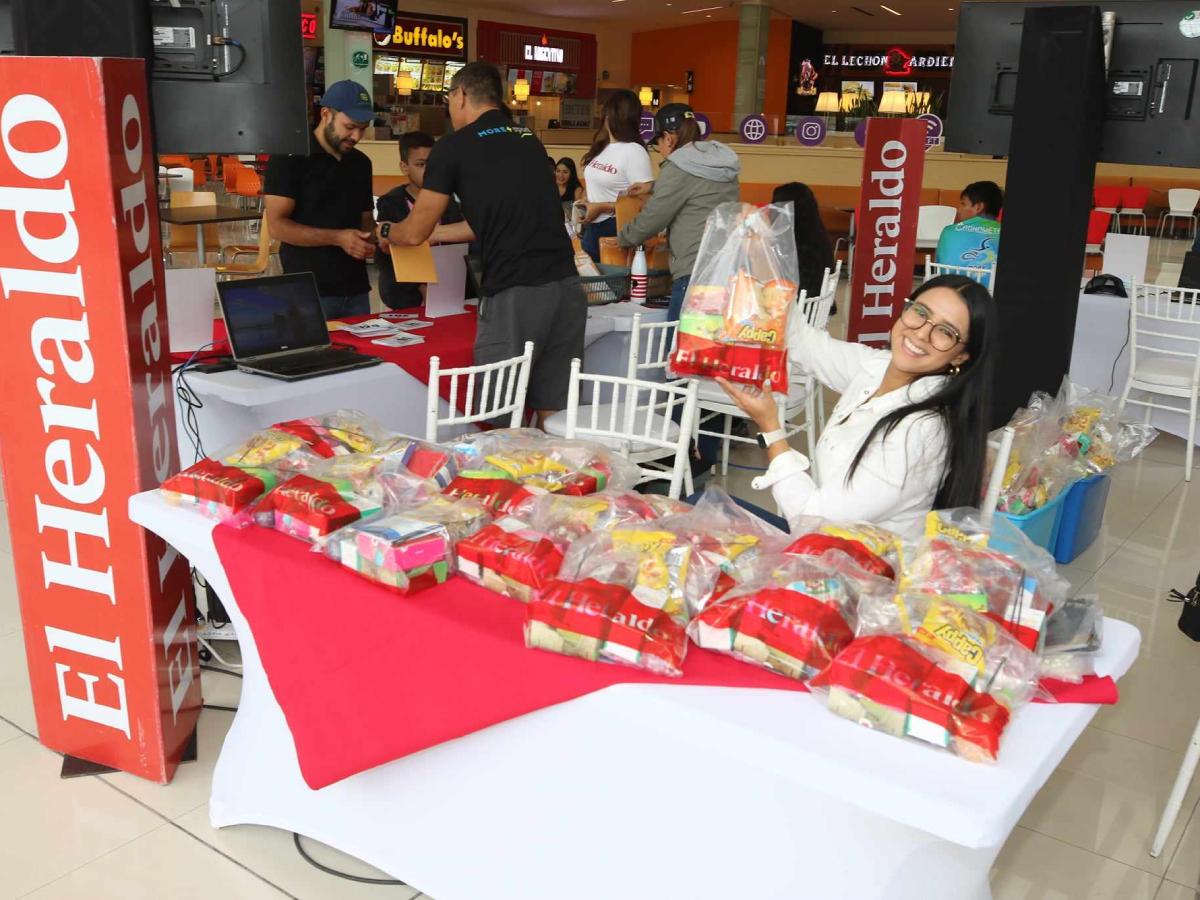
[638, 279]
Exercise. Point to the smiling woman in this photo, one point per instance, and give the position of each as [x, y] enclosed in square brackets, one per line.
[909, 433]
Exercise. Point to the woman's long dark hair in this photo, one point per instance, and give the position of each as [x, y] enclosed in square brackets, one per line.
[621, 114]
[573, 183]
[813, 249]
[963, 402]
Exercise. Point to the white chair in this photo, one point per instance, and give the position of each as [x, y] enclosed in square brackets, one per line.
[1183, 202]
[501, 391]
[641, 432]
[930, 222]
[829, 285]
[985, 276]
[1164, 354]
[180, 179]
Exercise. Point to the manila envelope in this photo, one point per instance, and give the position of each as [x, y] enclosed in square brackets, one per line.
[414, 264]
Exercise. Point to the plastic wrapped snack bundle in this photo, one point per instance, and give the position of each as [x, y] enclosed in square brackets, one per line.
[496, 490]
[565, 517]
[1074, 634]
[222, 492]
[510, 558]
[311, 508]
[791, 615]
[409, 550]
[604, 619]
[422, 458]
[929, 668]
[734, 320]
[875, 549]
[337, 433]
[270, 449]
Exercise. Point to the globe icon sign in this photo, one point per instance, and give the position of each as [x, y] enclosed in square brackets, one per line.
[753, 129]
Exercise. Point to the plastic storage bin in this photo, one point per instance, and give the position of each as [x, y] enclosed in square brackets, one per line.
[1041, 526]
[1082, 516]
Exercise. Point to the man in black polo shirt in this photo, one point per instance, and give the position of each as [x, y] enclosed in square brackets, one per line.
[530, 289]
[319, 206]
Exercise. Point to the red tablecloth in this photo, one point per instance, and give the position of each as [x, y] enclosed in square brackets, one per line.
[450, 338]
[365, 676]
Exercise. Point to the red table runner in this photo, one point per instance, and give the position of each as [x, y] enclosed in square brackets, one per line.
[450, 338]
[365, 676]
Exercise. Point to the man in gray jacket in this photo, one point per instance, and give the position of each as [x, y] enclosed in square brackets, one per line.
[696, 176]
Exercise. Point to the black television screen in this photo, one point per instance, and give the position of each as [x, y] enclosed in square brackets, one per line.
[1152, 95]
[362, 15]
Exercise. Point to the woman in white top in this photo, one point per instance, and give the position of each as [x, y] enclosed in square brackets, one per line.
[909, 433]
[616, 161]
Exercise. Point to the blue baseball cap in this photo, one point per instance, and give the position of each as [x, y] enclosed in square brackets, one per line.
[351, 98]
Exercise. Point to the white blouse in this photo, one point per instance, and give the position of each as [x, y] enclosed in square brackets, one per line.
[899, 475]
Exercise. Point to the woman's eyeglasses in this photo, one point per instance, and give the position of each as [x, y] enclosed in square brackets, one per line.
[943, 337]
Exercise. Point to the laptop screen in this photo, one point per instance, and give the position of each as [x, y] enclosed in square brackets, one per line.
[270, 315]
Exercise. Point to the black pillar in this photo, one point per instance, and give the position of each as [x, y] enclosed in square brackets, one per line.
[1048, 195]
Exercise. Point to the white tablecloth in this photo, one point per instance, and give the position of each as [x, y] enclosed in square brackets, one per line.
[237, 403]
[1100, 357]
[647, 791]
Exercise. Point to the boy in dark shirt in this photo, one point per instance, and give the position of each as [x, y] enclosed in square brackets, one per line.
[394, 206]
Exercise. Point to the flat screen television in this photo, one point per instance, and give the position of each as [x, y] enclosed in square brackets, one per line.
[1152, 94]
[362, 15]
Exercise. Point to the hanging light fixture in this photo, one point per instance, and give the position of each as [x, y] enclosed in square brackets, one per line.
[405, 84]
[520, 90]
[646, 95]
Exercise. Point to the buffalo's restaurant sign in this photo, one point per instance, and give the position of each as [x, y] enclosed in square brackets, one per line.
[425, 35]
[893, 166]
[87, 416]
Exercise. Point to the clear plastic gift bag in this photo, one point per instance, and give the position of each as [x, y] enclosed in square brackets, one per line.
[603, 617]
[734, 320]
[511, 558]
[565, 517]
[790, 614]
[929, 668]
[422, 458]
[874, 549]
[333, 493]
[410, 549]
[337, 433]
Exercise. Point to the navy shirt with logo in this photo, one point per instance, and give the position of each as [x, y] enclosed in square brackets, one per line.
[509, 198]
[329, 193]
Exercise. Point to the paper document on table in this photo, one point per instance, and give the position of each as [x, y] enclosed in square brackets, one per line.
[414, 264]
[412, 324]
[403, 339]
[372, 328]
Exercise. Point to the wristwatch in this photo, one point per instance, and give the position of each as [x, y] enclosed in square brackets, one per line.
[767, 438]
[385, 229]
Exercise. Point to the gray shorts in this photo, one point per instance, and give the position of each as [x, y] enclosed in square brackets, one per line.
[554, 317]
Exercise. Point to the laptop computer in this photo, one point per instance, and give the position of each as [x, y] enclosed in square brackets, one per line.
[276, 328]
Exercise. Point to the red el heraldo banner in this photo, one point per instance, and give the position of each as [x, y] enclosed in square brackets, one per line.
[893, 165]
[86, 414]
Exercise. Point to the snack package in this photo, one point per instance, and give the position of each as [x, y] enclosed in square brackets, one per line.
[219, 491]
[409, 550]
[931, 669]
[422, 458]
[565, 517]
[1074, 635]
[510, 558]
[996, 571]
[605, 622]
[311, 508]
[270, 449]
[791, 614]
[495, 489]
[337, 433]
[734, 319]
[874, 549]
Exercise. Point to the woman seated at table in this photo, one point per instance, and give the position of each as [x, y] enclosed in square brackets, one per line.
[570, 188]
[910, 431]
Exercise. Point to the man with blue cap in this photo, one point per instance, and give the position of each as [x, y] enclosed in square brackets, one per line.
[320, 206]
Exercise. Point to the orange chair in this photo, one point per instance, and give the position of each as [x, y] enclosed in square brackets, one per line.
[263, 251]
[182, 238]
[199, 172]
[1133, 204]
[248, 184]
[229, 169]
[175, 160]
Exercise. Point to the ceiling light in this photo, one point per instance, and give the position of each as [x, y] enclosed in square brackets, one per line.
[889, 9]
[705, 9]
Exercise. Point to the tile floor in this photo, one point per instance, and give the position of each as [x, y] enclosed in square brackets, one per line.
[1086, 835]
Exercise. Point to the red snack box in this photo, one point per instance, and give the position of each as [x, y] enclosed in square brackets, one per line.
[509, 558]
[220, 489]
[816, 544]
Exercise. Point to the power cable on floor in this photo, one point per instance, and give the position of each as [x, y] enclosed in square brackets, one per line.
[215, 706]
[362, 879]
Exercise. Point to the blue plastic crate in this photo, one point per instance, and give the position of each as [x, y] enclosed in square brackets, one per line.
[1082, 516]
[1040, 526]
